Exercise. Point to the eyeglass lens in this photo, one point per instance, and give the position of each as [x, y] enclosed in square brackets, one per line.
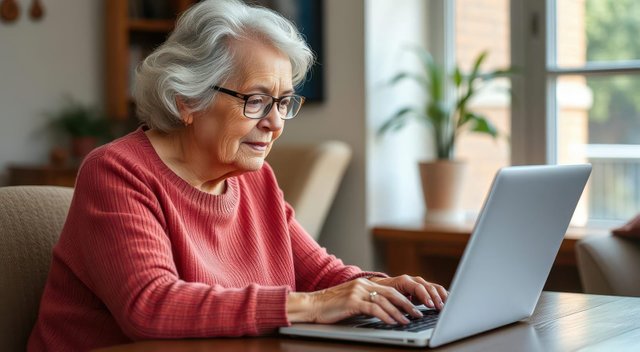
[258, 106]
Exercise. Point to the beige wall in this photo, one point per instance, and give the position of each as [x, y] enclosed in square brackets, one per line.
[341, 116]
[393, 182]
[39, 63]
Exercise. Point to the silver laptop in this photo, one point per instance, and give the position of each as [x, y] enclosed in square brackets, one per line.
[503, 268]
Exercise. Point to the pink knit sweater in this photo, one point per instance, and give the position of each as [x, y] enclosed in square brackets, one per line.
[144, 255]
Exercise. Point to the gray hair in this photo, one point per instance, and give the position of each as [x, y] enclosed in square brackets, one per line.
[198, 54]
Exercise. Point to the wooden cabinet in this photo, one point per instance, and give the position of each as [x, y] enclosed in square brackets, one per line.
[133, 28]
[434, 251]
[42, 175]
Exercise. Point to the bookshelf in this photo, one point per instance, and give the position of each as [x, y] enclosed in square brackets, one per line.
[133, 28]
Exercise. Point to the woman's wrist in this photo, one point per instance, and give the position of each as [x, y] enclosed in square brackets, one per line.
[375, 279]
[299, 307]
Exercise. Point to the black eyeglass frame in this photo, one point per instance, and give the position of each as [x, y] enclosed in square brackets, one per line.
[276, 101]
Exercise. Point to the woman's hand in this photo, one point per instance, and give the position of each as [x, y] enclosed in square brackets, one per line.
[360, 296]
[423, 292]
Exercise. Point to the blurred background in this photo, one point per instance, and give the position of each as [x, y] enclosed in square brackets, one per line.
[67, 68]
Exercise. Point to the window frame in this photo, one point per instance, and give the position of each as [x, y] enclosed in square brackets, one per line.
[534, 111]
[533, 51]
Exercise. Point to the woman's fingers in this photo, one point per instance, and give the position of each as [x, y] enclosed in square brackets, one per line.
[427, 293]
[375, 310]
[443, 292]
[397, 299]
[420, 294]
[390, 310]
[384, 299]
[437, 294]
[392, 302]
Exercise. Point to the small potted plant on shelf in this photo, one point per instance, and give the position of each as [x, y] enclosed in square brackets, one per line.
[446, 118]
[85, 125]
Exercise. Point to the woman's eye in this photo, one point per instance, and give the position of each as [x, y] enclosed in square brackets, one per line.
[255, 100]
[285, 101]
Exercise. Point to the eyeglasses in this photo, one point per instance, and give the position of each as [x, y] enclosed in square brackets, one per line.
[258, 106]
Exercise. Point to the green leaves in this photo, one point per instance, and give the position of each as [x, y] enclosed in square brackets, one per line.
[79, 120]
[446, 118]
[457, 77]
[480, 124]
[412, 76]
[398, 120]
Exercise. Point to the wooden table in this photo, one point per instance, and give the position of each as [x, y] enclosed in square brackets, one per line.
[433, 252]
[561, 322]
[42, 175]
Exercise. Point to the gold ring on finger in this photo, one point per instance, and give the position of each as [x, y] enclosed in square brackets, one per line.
[372, 295]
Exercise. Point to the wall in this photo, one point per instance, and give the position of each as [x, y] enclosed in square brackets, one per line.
[39, 63]
[390, 175]
[341, 116]
[393, 182]
[362, 50]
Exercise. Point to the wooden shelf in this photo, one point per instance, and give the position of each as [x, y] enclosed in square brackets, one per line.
[128, 40]
[433, 251]
[153, 26]
[42, 175]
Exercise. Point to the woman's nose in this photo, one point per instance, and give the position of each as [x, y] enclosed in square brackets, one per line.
[272, 121]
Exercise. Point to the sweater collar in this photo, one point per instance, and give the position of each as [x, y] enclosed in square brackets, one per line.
[225, 203]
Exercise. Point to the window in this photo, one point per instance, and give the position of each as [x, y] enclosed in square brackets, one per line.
[483, 25]
[580, 82]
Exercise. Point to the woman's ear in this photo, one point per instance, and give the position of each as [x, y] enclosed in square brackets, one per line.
[186, 113]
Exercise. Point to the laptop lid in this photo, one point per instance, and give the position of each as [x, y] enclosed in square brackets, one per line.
[505, 264]
[511, 250]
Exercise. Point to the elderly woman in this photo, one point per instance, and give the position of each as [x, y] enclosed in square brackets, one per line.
[179, 229]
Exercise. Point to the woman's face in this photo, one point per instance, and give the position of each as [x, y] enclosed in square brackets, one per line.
[229, 141]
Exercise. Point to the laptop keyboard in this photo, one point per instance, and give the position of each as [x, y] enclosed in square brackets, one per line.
[428, 321]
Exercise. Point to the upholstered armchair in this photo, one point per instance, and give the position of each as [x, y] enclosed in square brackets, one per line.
[31, 219]
[309, 176]
[609, 265]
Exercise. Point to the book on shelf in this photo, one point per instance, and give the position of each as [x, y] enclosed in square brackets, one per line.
[150, 9]
[135, 9]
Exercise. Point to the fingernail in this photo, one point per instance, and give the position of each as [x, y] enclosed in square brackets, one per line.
[417, 312]
[430, 303]
[405, 320]
[440, 304]
[394, 323]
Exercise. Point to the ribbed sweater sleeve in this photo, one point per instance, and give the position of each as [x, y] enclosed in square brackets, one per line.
[315, 268]
[130, 265]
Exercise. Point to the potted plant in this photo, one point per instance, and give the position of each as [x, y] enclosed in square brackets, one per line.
[446, 118]
[83, 124]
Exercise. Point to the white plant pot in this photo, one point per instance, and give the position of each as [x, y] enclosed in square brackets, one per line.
[442, 187]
